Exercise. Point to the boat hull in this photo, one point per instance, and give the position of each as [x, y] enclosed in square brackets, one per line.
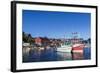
[64, 49]
[78, 48]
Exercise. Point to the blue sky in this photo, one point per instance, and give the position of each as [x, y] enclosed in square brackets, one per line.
[56, 24]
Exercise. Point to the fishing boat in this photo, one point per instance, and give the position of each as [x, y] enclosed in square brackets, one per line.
[67, 47]
[78, 48]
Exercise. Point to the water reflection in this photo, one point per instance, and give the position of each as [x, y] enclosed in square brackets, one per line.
[77, 56]
[53, 55]
[64, 56]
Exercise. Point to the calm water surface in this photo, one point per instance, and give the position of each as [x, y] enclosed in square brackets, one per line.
[52, 55]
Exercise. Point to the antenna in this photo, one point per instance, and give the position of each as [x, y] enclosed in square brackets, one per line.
[74, 34]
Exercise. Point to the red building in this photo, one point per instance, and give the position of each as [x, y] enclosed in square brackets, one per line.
[38, 41]
[42, 41]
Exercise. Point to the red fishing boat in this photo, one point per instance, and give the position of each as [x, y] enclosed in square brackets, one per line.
[78, 48]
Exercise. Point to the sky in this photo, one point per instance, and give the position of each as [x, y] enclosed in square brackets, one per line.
[54, 24]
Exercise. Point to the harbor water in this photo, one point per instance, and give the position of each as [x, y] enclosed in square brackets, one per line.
[53, 55]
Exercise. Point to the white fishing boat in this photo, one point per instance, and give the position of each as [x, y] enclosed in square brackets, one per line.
[65, 48]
